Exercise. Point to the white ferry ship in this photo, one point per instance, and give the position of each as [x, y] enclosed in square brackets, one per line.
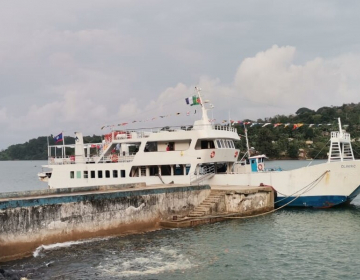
[203, 153]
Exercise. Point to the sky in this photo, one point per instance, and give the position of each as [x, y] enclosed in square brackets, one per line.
[69, 66]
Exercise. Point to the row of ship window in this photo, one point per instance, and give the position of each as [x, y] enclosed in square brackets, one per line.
[100, 174]
[225, 144]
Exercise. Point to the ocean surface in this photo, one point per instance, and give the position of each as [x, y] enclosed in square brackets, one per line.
[287, 244]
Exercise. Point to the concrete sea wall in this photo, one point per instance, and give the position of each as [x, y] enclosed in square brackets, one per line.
[227, 202]
[34, 219]
[250, 201]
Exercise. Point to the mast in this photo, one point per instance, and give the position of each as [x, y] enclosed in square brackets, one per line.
[340, 129]
[205, 117]
[247, 141]
[63, 155]
[204, 123]
[48, 148]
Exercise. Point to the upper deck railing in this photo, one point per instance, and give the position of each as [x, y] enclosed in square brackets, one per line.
[90, 160]
[336, 134]
[146, 132]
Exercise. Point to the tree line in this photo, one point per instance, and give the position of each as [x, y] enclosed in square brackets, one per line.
[276, 142]
[306, 142]
[36, 149]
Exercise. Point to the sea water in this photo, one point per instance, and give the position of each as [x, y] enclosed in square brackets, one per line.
[287, 244]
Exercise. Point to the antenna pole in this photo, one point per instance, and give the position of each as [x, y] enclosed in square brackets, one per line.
[340, 129]
[247, 141]
[204, 110]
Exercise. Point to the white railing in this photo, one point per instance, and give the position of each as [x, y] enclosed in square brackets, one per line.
[146, 132]
[225, 128]
[336, 134]
[60, 161]
[202, 174]
[107, 159]
[116, 158]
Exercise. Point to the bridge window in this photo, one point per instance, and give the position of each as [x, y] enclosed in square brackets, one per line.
[204, 144]
[133, 148]
[86, 174]
[225, 144]
[151, 147]
[72, 174]
[218, 142]
[107, 173]
[92, 174]
[188, 168]
[78, 174]
[100, 174]
[115, 173]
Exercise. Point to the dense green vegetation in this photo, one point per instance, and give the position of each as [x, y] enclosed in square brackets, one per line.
[36, 149]
[285, 142]
[276, 142]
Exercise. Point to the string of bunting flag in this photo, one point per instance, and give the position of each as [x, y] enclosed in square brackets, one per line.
[195, 100]
[192, 100]
[187, 113]
[294, 126]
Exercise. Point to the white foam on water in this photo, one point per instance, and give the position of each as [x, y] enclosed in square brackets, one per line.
[56, 246]
[163, 260]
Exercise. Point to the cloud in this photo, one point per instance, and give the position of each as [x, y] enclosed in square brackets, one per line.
[268, 83]
[272, 78]
[130, 108]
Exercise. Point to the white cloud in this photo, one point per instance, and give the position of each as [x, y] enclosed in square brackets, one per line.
[81, 64]
[127, 109]
[266, 84]
[273, 78]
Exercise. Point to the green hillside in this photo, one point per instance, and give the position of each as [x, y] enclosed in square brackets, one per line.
[306, 141]
[279, 142]
[36, 149]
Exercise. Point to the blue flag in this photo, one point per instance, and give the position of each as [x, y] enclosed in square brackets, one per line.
[58, 138]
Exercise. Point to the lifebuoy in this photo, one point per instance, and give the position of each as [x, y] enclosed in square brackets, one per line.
[236, 154]
[212, 154]
[114, 158]
[72, 158]
[260, 167]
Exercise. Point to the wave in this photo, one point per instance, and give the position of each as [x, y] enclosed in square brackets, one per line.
[56, 246]
[153, 262]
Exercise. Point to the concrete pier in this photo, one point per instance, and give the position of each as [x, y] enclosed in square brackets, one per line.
[226, 202]
[31, 219]
[35, 218]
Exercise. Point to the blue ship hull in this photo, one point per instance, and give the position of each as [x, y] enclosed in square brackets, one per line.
[317, 201]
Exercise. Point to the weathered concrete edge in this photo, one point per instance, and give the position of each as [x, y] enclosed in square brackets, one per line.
[214, 219]
[248, 191]
[68, 190]
[103, 224]
[51, 200]
[27, 248]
